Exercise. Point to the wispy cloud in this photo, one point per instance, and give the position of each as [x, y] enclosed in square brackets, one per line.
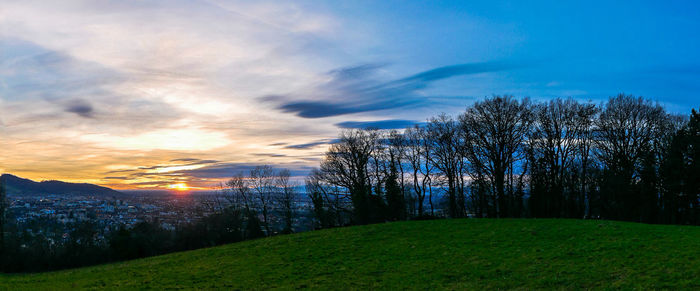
[227, 170]
[355, 89]
[158, 92]
[304, 146]
[269, 155]
[137, 84]
[378, 124]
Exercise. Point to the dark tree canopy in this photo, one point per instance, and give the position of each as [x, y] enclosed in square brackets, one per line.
[625, 159]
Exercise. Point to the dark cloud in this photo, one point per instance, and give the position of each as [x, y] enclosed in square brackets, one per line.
[202, 162]
[356, 72]
[80, 107]
[116, 178]
[213, 171]
[151, 167]
[379, 124]
[457, 70]
[271, 155]
[226, 170]
[154, 183]
[304, 146]
[317, 109]
[192, 162]
[278, 144]
[185, 160]
[355, 90]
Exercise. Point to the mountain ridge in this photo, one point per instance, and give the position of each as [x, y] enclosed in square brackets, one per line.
[21, 186]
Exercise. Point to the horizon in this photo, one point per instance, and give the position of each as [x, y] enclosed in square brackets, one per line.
[182, 95]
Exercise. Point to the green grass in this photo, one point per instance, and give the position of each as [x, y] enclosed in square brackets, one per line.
[439, 254]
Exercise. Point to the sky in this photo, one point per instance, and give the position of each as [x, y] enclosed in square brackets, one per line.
[153, 94]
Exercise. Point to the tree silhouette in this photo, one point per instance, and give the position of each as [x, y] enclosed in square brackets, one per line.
[496, 130]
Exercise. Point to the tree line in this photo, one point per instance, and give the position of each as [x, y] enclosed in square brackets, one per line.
[26, 252]
[626, 159]
[250, 205]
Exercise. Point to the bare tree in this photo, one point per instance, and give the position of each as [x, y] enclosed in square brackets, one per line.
[557, 139]
[398, 147]
[586, 116]
[239, 193]
[415, 157]
[378, 162]
[262, 179]
[628, 130]
[428, 168]
[317, 192]
[578, 159]
[442, 133]
[329, 202]
[628, 126]
[347, 165]
[286, 198]
[496, 130]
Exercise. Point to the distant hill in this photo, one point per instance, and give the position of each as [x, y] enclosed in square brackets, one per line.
[20, 186]
[448, 254]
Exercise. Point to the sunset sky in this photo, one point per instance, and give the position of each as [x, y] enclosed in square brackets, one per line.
[146, 94]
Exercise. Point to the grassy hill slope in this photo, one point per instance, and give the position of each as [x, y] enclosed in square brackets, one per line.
[454, 254]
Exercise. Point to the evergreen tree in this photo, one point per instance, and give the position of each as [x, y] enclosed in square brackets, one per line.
[253, 227]
[395, 201]
[681, 175]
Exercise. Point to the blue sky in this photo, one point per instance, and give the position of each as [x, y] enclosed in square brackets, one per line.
[588, 49]
[172, 92]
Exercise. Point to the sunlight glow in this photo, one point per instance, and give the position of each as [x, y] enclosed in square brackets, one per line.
[178, 187]
[177, 168]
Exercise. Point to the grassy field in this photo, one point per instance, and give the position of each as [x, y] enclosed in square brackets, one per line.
[443, 254]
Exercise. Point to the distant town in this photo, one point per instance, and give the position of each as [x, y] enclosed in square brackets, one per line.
[55, 216]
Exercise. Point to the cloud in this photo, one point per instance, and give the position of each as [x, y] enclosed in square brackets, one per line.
[81, 108]
[40, 84]
[139, 83]
[355, 89]
[120, 171]
[378, 124]
[201, 162]
[227, 170]
[201, 173]
[270, 155]
[457, 70]
[184, 160]
[170, 168]
[313, 144]
[151, 184]
[158, 85]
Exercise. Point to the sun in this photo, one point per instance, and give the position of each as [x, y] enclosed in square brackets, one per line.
[179, 187]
